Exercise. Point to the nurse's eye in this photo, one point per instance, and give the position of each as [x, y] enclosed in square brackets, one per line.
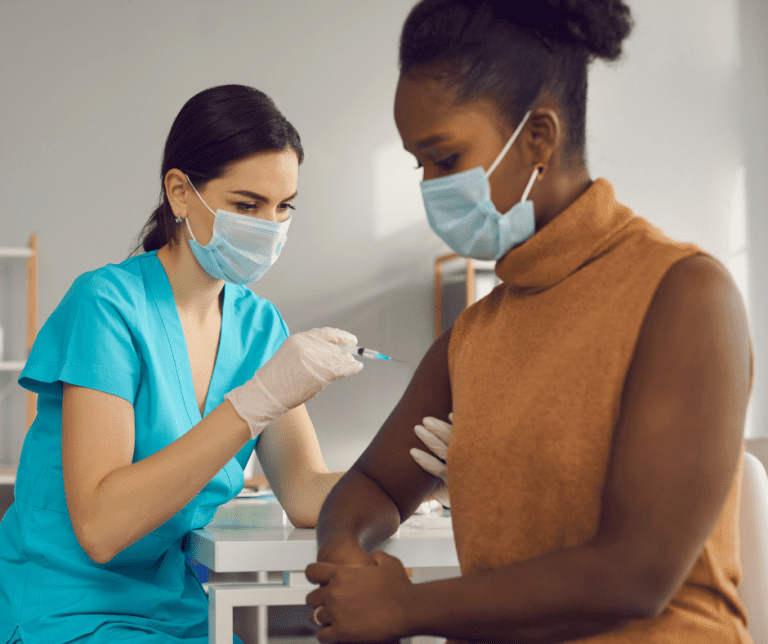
[447, 162]
[246, 207]
[418, 165]
[286, 206]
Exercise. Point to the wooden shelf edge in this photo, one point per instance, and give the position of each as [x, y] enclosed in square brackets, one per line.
[7, 475]
[13, 365]
[17, 252]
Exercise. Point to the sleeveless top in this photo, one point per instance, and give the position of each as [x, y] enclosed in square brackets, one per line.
[537, 370]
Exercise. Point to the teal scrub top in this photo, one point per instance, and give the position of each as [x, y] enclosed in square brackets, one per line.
[117, 330]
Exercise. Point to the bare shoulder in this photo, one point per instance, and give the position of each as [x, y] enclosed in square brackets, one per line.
[699, 304]
[698, 280]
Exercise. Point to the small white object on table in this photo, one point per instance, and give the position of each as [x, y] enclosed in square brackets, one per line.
[251, 535]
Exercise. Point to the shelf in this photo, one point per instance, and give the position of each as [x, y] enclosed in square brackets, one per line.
[7, 475]
[12, 366]
[16, 252]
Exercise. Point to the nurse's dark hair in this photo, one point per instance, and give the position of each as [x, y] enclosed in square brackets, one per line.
[214, 128]
[515, 52]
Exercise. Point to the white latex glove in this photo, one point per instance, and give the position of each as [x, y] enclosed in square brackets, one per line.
[428, 507]
[299, 370]
[436, 435]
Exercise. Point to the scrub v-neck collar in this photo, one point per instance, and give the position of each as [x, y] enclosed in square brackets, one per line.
[166, 304]
[575, 237]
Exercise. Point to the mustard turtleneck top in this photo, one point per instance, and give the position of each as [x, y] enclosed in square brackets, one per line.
[537, 370]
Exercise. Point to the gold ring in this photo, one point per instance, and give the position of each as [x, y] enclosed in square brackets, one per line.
[314, 616]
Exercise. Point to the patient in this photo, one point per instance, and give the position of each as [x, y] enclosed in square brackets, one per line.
[599, 392]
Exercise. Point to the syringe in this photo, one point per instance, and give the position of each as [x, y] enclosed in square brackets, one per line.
[366, 353]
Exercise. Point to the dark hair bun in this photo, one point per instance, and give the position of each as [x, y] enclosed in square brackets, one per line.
[595, 26]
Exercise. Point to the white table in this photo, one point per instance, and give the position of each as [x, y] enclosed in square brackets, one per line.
[249, 535]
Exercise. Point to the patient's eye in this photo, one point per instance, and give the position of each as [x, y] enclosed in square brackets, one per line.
[448, 162]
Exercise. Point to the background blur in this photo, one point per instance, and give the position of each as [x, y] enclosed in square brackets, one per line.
[90, 88]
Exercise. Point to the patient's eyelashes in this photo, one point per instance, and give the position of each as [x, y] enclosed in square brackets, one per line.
[448, 162]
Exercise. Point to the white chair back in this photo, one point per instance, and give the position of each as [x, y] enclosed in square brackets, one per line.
[753, 529]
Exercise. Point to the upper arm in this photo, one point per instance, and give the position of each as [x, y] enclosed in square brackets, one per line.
[97, 437]
[679, 434]
[387, 459]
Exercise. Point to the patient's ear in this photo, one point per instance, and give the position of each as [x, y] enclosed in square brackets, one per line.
[543, 137]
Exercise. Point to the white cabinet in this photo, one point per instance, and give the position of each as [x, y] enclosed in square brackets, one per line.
[18, 317]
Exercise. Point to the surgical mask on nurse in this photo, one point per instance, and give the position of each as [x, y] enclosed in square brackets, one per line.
[242, 248]
[460, 211]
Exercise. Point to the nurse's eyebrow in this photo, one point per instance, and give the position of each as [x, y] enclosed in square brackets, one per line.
[258, 197]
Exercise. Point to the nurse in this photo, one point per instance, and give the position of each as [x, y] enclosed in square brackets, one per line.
[156, 379]
[598, 393]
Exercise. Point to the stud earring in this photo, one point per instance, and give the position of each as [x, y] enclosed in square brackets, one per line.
[178, 219]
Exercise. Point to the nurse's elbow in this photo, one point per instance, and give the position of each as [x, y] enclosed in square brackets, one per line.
[302, 519]
[302, 502]
[301, 514]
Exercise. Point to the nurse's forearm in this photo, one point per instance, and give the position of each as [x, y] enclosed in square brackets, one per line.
[357, 516]
[307, 496]
[134, 500]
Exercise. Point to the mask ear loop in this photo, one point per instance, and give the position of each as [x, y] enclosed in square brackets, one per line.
[201, 199]
[505, 149]
[537, 171]
[186, 219]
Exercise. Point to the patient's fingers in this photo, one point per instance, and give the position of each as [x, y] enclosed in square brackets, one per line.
[320, 573]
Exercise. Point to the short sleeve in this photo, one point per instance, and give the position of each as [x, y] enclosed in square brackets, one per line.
[87, 341]
[283, 326]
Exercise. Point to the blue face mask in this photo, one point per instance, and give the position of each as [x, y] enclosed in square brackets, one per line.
[460, 211]
[242, 248]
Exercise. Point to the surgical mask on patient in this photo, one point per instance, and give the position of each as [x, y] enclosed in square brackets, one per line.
[460, 211]
[242, 248]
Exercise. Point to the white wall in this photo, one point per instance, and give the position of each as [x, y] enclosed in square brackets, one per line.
[754, 99]
[90, 88]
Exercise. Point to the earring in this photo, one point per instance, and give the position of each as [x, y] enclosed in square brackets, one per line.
[178, 219]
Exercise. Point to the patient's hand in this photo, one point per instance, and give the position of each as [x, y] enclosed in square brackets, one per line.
[436, 435]
[361, 603]
[345, 553]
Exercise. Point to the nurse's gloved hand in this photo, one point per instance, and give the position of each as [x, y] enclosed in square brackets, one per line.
[299, 370]
[436, 435]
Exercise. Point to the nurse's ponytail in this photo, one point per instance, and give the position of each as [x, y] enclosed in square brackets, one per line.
[158, 231]
[514, 51]
[214, 128]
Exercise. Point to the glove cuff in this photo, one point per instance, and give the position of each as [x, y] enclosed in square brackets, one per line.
[255, 405]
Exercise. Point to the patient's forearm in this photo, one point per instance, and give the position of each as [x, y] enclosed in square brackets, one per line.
[356, 517]
[562, 596]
